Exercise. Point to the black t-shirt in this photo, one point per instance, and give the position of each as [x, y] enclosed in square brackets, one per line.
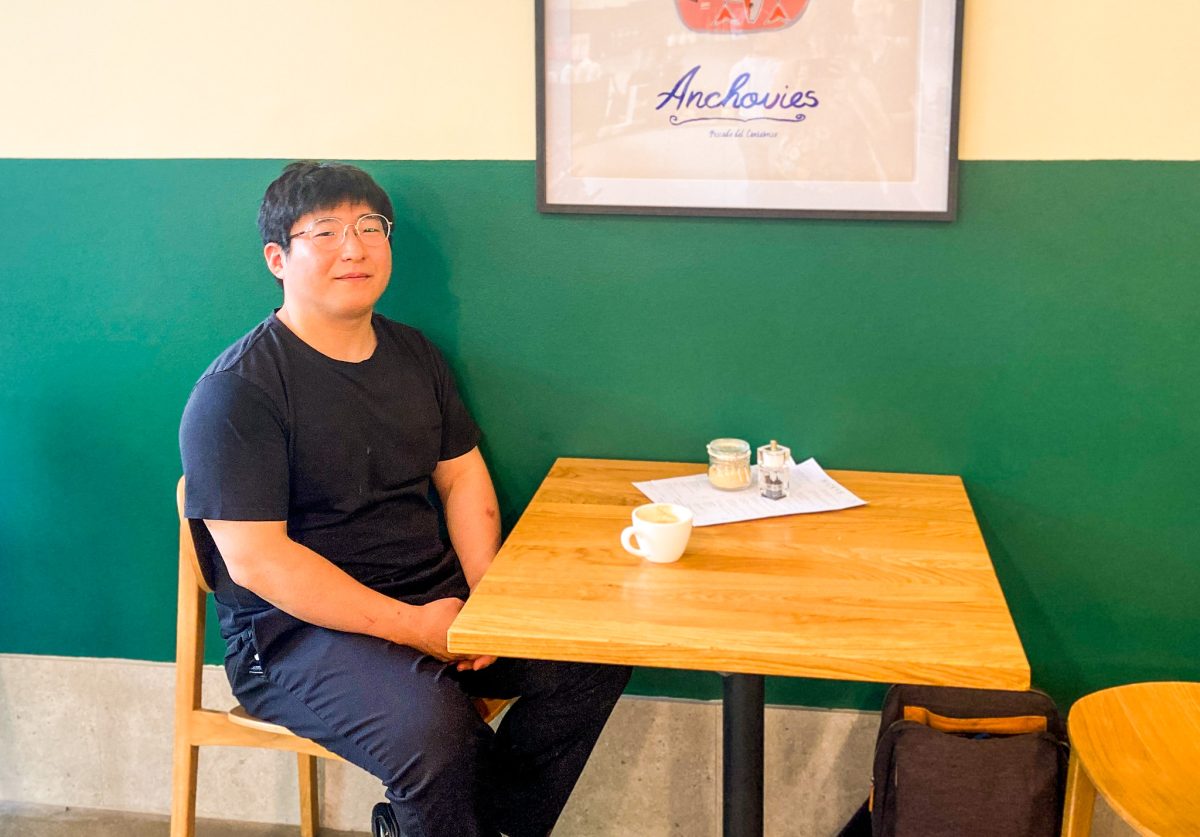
[275, 430]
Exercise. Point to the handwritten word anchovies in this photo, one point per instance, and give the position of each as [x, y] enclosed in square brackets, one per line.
[683, 96]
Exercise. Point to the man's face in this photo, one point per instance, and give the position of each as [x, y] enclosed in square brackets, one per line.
[342, 283]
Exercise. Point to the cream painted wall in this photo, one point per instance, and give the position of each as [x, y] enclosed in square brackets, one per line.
[366, 79]
[1080, 79]
[1069, 79]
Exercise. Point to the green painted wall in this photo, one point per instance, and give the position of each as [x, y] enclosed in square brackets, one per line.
[1043, 346]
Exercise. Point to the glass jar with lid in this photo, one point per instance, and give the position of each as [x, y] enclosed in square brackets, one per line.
[729, 464]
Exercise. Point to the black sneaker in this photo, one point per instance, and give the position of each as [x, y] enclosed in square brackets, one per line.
[383, 821]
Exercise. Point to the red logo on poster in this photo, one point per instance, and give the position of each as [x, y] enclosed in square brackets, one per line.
[739, 15]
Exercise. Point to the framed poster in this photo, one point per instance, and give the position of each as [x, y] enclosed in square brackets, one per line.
[803, 108]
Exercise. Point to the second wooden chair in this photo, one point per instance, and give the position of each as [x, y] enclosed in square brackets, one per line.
[1138, 747]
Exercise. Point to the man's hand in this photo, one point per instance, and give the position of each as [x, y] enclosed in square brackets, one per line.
[475, 664]
[429, 626]
[431, 623]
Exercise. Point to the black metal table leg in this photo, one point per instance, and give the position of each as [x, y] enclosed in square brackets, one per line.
[742, 755]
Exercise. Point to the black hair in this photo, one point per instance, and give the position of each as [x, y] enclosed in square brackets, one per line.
[310, 185]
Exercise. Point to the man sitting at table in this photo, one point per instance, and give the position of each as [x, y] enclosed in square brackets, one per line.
[309, 449]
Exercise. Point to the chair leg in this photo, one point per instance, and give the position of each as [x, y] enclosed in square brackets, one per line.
[1081, 800]
[183, 790]
[310, 813]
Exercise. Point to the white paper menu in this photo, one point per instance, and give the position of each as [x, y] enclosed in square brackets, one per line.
[810, 490]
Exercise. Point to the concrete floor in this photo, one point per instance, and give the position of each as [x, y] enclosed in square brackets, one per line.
[24, 820]
[21, 820]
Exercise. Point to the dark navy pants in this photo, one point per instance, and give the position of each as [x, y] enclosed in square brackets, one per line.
[408, 719]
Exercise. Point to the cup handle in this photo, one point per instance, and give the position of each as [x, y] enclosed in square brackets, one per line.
[627, 542]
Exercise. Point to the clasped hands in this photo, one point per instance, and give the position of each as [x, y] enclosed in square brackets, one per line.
[432, 622]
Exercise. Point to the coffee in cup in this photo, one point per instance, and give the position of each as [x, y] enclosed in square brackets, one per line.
[658, 513]
[659, 533]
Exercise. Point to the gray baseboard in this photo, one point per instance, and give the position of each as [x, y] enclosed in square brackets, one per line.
[96, 733]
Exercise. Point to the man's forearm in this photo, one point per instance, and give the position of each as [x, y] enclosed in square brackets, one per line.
[301, 582]
[263, 559]
[473, 519]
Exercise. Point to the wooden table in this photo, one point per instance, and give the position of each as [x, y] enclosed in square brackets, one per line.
[899, 590]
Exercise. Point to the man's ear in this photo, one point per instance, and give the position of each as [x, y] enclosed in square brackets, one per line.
[276, 259]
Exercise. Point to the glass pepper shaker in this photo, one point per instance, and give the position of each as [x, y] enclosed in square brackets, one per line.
[773, 472]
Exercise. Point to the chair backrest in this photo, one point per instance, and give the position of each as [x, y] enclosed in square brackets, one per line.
[190, 615]
[187, 542]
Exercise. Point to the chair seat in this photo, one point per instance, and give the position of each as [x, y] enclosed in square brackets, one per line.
[1140, 746]
[241, 717]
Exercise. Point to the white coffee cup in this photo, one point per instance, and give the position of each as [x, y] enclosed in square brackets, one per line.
[661, 531]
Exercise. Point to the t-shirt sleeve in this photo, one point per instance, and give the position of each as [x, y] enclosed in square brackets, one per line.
[233, 442]
[459, 432]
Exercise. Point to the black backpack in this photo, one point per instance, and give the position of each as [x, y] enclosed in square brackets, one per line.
[966, 763]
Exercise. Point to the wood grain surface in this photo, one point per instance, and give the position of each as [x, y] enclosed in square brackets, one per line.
[1139, 746]
[900, 590]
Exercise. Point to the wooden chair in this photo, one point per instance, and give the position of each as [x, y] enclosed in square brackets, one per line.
[1138, 746]
[196, 726]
